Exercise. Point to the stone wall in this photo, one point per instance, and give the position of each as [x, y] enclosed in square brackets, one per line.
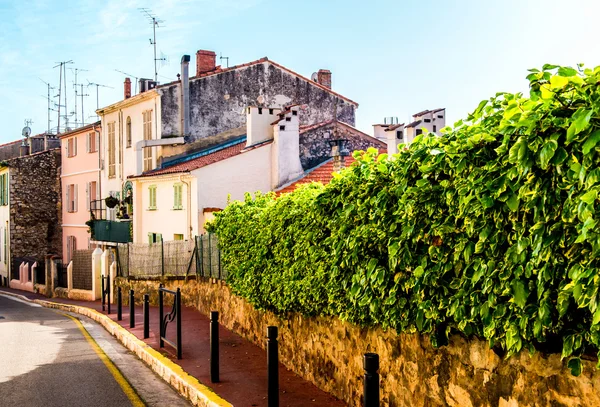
[314, 142]
[217, 101]
[35, 213]
[37, 143]
[328, 352]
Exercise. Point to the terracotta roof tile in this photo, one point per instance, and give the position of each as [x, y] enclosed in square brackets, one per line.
[394, 127]
[413, 124]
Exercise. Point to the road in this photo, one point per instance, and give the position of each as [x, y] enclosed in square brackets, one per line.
[49, 358]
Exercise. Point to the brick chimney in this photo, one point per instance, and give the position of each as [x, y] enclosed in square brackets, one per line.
[205, 61]
[127, 88]
[324, 78]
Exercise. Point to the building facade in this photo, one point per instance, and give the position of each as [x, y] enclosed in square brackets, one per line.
[80, 185]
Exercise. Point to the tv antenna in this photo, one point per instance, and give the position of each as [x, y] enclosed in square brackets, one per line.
[82, 95]
[75, 85]
[133, 76]
[49, 99]
[98, 85]
[62, 72]
[156, 22]
[221, 58]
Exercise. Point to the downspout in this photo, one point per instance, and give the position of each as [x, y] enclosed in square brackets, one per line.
[99, 162]
[189, 206]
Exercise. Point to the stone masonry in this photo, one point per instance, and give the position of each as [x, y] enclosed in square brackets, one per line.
[314, 142]
[35, 205]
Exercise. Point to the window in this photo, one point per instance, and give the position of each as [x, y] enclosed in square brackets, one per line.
[71, 198]
[147, 117]
[399, 135]
[111, 150]
[440, 116]
[91, 195]
[178, 236]
[92, 142]
[4, 189]
[281, 128]
[434, 128]
[128, 132]
[294, 113]
[177, 200]
[71, 247]
[152, 197]
[427, 120]
[154, 238]
[270, 111]
[260, 110]
[288, 119]
[419, 131]
[72, 147]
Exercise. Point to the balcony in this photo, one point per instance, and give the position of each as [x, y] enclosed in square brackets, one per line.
[111, 231]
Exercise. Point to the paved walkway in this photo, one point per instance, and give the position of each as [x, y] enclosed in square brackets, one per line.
[243, 365]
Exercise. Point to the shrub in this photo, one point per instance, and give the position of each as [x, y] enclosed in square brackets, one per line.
[489, 230]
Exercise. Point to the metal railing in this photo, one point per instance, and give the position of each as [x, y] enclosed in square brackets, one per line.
[164, 320]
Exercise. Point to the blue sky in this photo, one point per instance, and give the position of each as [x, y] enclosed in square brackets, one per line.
[393, 57]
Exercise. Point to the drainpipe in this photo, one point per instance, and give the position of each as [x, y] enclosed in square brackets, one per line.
[188, 186]
[99, 162]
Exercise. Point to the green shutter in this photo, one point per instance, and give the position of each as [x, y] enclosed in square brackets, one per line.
[159, 237]
[150, 238]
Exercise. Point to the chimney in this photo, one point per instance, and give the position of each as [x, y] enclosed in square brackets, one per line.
[205, 61]
[127, 88]
[185, 95]
[24, 149]
[259, 124]
[324, 78]
[395, 135]
[285, 150]
[338, 151]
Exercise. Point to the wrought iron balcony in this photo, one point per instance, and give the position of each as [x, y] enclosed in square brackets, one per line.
[111, 231]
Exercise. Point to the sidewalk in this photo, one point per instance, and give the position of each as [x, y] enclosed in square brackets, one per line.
[243, 365]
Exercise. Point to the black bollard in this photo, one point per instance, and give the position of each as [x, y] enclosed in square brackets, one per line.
[371, 382]
[214, 346]
[119, 305]
[272, 367]
[131, 310]
[178, 316]
[146, 316]
[108, 292]
[161, 334]
[103, 294]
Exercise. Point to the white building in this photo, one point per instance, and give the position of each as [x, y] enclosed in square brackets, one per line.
[394, 134]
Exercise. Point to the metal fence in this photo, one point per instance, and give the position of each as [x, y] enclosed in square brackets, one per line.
[174, 259]
[61, 275]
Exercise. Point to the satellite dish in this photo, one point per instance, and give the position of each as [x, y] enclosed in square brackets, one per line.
[26, 131]
[315, 77]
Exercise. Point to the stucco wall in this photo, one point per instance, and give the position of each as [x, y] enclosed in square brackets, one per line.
[217, 102]
[328, 352]
[315, 148]
[35, 206]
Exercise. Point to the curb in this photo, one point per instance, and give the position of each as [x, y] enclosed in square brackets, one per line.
[186, 385]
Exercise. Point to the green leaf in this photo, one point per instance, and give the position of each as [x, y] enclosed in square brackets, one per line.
[547, 152]
[557, 82]
[567, 71]
[520, 293]
[513, 203]
[590, 197]
[591, 142]
[575, 366]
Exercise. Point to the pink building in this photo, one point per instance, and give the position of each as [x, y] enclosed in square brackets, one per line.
[80, 181]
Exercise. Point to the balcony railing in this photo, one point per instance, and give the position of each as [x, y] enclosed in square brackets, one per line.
[111, 231]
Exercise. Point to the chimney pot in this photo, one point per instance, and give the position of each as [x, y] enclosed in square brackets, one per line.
[205, 61]
[324, 78]
[127, 88]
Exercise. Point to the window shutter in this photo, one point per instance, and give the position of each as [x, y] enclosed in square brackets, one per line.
[87, 144]
[159, 237]
[68, 198]
[150, 240]
[74, 244]
[97, 190]
[68, 248]
[68, 149]
[75, 197]
[74, 146]
[87, 196]
[97, 145]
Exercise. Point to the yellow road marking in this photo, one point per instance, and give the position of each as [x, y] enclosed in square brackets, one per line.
[136, 401]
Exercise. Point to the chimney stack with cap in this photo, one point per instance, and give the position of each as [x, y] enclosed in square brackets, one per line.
[324, 78]
[185, 95]
[127, 88]
[205, 61]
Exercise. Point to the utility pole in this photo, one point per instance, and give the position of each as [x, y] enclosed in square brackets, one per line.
[82, 95]
[98, 86]
[62, 67]
[49, 100]
[75, 84]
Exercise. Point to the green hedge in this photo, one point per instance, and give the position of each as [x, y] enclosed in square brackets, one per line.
[490, 230]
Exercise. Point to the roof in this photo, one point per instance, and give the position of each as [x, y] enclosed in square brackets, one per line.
[322, 173]
[421, 113]
[394, 127]
[79, 129]
[219, 70]
[413, 124]
[304, 129]
[438, 110]
[21, 140]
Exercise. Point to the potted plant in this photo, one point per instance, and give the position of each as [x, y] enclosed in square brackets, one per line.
[111, 202]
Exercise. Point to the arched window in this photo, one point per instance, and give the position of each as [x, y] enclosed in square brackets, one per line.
[128, 131]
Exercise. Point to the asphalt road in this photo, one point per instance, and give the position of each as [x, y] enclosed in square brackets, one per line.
[49, 359]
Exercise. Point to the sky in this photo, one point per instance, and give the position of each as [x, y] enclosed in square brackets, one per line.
[393, 57]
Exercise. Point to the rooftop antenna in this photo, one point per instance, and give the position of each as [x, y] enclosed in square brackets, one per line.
[98, 86]
[75, 84]
[49, 100]
[62, 71]
[82, 95]
[133, 76]
[221, 58]
[26, 132]
[155, 21]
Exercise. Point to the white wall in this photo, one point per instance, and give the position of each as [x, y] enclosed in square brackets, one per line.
[247, 172]
[286, 165]
[258, 125]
